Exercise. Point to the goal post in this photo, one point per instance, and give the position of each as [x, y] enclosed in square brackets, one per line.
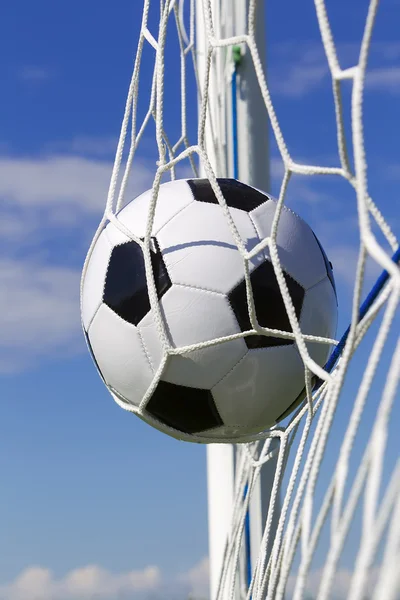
[250, 123]
[237, 119]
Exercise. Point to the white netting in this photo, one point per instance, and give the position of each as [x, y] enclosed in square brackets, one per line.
[353, 513]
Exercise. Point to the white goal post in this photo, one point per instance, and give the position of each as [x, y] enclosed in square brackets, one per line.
[234, 81]
[311, 507]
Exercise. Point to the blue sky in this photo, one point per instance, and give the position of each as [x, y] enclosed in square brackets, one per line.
[85, 483]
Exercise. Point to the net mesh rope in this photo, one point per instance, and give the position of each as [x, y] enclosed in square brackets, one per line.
[367, 490]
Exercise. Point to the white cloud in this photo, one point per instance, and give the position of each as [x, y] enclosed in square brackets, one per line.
[341, 587]
[92, 581]
[34, 74]
[299, 69]
[39, 313]
[300, 77]
[344, 259]
[54, 181]
[384, 79]
[277, 168]
[81, 584]
[197, 579]
[46, 202]
[55, 195]
[44, 199]
[83, 145]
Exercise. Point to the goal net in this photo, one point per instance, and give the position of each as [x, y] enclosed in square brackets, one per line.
[330, 527]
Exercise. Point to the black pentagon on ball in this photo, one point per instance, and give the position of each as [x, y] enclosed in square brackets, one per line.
[236, 194]
[190, 410]
[125, 289]
[269, 305]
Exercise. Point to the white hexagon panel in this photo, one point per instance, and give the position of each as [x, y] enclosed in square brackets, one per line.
[216, 391]
[93, 288]
[120, 355]
[262, 379]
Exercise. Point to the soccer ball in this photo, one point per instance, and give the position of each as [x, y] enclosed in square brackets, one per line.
[220, 392]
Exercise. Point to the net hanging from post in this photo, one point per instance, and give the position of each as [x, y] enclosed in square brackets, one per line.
[338, 529]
